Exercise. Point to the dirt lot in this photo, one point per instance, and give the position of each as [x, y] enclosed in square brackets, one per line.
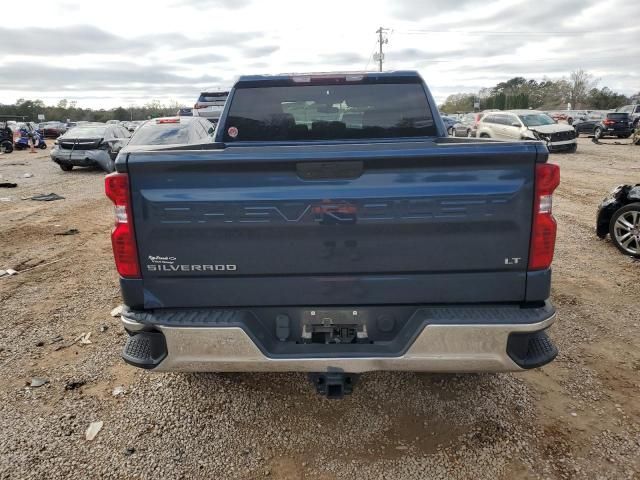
[576, 418]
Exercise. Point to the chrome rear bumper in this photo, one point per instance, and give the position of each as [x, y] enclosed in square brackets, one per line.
[437, 348]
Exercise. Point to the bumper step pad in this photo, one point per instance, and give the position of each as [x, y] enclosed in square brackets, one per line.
[145, 349]
[531, 350]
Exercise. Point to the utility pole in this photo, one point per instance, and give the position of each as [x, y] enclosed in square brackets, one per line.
[381, 41]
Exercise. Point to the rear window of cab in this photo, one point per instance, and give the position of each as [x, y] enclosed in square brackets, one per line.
[329, 112]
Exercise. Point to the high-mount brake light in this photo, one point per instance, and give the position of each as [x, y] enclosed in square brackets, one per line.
[544, 227]
[123, 240]
[168, 120]
[320, 77]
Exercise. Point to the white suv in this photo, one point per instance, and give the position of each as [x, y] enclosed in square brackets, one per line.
[210, 105]
[633, 111]
[516, 125]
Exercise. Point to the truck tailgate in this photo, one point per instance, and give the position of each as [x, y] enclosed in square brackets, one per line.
[395, 222]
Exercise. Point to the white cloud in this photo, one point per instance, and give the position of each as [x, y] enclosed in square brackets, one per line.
[126, 52]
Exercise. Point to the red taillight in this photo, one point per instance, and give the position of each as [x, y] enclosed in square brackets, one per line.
[123, 240]
[543, 232]
[609, 122]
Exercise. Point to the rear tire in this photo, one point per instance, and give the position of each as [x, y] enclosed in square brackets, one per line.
[42, 146]
[624, 229]
[573, 148]
[485, 135]
[598, 133]
[6, 146]
[66, 167]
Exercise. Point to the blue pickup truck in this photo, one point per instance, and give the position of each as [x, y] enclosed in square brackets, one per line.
[334, 228]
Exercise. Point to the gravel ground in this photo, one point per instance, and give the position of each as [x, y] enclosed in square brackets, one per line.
[577, 418]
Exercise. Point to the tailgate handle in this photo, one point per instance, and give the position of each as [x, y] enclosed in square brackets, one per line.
[329, 170]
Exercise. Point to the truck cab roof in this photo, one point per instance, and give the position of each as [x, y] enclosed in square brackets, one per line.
[281, 79]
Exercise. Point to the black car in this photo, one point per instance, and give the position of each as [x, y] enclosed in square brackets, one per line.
[619, 216]
[6, 137]
[586, 124]
[614, 124]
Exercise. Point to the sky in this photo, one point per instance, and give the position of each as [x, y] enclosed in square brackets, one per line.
[103, 55]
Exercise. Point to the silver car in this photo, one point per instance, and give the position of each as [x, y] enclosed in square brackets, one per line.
[172, 131]
[517, 125]
[90, 144]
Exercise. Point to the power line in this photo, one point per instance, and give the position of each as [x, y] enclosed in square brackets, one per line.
[382, 39]
[494, 32]
[523, 61]
[370, 55]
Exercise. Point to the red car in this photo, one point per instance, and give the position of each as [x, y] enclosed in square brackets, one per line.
[52, 129]
[558, 115]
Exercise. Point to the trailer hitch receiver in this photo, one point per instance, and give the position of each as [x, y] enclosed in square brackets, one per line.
[333, 385]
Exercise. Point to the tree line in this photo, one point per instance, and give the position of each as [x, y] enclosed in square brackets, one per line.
[64, 110]
[580, 90]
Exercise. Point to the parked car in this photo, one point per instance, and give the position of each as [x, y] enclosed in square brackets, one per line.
[131, 125]
[557, 115]
[6, 137]
[614, 124]
[454, 127]
[470, 122]
[449, 122]
[134, 125]
[528, 125]
[619, 217]
[90, 144]
[633, 111]
[185, 112]
[173, 131]
[572, 115]
[210, 105]
[587, 123]
[52, 129]
[328, 230]
[15, 129]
